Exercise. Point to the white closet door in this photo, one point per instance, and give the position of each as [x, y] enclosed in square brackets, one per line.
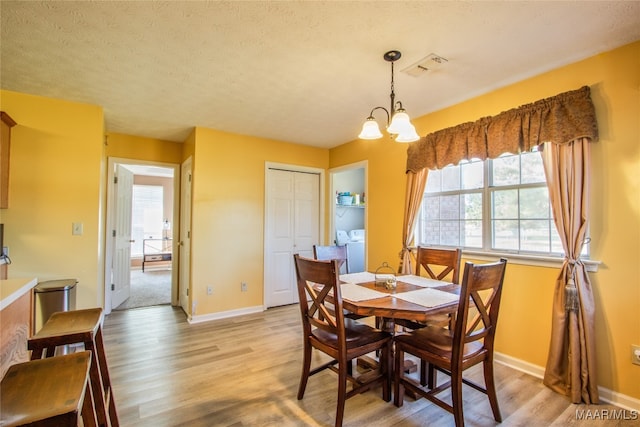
[307, 213]
[292, 226]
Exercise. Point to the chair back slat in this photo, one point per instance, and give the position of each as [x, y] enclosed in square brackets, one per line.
[318, 314]
[327, 253]
[480, 293]
[439, 263]
[478, 326]
[316, 281]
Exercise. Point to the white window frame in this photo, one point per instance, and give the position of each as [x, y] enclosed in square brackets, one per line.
[139, 246]
[546, 259]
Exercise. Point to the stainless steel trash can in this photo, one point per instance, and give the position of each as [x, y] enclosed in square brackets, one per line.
[52, 296]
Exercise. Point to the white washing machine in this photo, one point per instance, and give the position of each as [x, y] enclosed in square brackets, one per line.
[354, 240]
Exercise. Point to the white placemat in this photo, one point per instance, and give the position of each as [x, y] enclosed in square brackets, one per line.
[422, 281]
[354, 292]
[428, 297]
[362, 277]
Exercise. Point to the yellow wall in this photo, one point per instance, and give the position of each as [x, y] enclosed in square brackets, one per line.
[140, 148]
[56, 168]
[228, 215]
[523, 333]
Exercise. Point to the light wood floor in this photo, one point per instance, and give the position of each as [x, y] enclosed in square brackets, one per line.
[244, 371]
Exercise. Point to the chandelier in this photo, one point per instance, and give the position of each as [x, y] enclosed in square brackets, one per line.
[399, 125]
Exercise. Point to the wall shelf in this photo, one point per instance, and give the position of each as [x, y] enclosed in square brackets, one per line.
[361, 206]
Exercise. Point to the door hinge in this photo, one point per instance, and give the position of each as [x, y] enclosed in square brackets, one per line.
[187, 291]
[115, 179]
[114, 233]
[189, 177]
[189, 234]
[113, 287]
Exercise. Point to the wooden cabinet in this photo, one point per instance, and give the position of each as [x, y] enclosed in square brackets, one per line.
[5, 144]
[16, 312]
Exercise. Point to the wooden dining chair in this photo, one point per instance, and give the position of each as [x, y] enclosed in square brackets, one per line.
[341, 338]
[327, 253]
[439, 263]
[453, 351]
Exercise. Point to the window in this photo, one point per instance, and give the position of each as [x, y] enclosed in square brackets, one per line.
[499, 205]
[147, 215]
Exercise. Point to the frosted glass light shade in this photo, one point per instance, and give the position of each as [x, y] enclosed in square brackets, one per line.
[400, 123]
[409, 135]
[370, 130]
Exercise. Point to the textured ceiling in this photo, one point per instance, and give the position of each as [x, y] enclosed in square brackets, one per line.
[304, 72]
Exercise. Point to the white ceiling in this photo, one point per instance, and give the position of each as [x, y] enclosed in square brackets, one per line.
[307, 72]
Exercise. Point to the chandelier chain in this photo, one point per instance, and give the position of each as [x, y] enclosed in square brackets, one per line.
[393, 94]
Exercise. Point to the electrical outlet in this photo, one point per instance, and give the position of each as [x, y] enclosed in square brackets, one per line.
[243, 286]
[635, 354]
[209, 290]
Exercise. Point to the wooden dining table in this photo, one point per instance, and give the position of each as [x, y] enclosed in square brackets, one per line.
[390, 307]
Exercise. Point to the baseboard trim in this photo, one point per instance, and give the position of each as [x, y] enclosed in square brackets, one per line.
[225, 314]
[606, 395]
[519, 365]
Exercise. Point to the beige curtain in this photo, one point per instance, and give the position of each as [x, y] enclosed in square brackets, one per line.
[416, 182]
[568, 122]
[571, 365]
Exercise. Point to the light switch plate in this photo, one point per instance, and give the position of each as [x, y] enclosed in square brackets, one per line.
[77, 229]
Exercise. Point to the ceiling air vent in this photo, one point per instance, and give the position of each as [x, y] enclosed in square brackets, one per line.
[431, 63]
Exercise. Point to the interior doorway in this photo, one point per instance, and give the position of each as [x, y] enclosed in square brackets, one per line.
[349, 212]
[141, 216]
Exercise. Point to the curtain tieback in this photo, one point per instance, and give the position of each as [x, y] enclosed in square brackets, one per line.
[571, 300]
[403, 251]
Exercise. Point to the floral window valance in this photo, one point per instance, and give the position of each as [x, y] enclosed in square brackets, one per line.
[559, 119]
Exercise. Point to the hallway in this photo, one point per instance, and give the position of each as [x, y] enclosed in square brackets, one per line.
[153, 287]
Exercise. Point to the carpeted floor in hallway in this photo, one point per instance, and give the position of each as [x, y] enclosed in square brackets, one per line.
[153, 287]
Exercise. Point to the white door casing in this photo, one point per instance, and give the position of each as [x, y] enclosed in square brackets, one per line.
[113, 267]
[333, 189]
[121, 275]
[292, 225]
[185, 236]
